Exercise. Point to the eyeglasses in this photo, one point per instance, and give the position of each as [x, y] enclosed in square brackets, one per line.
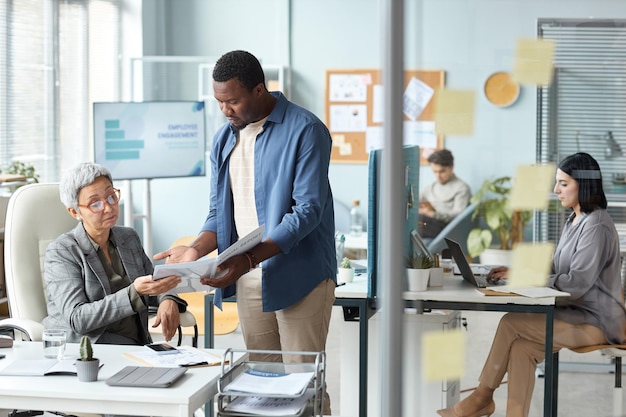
[98, 205]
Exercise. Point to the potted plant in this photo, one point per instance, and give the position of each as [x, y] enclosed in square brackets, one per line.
[87, 366]
[345, 271]
[493, 205]
[21, 169]
[418, 271]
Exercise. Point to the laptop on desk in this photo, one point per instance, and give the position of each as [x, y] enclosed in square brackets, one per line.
[477, 280]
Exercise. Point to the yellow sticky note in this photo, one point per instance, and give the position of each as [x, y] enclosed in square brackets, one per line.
[345, 149]
[454, 112]
[534, 61]
[532, 186]
[339, 140]
[443, 355]
[530, 264]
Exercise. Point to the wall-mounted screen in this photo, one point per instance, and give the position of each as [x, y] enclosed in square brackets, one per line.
[144, 140]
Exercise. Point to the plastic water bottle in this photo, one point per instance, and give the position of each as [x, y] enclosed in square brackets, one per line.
[356, 221]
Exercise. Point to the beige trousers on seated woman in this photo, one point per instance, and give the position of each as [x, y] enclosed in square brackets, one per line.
[517, 348]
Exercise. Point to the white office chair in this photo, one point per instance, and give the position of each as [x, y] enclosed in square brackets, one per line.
[35, 217]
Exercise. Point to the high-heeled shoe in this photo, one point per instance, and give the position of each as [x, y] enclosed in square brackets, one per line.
[485, 411]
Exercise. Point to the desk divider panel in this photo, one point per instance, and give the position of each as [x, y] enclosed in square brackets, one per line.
[411, 200]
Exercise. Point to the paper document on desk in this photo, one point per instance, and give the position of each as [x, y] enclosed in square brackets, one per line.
[187, 356]
[191, 272]
[531, 292]
[40, 367]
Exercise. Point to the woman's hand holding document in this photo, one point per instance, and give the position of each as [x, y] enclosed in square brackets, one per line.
[192, 272]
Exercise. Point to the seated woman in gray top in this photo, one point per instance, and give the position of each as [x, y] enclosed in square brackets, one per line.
[97, 276]
[586, 264]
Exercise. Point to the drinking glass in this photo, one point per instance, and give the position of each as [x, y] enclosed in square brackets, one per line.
[54, 343]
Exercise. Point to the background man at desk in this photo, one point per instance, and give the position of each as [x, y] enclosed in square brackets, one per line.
[444, 199]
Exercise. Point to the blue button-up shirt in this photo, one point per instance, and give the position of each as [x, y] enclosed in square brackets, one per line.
[293, 199]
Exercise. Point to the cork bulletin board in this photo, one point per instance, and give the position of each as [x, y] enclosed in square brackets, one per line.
[353, 107]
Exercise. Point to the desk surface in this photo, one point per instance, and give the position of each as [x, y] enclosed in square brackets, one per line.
[68, 394]
[454, 289]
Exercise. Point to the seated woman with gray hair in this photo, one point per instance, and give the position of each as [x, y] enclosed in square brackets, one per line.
[97, 276]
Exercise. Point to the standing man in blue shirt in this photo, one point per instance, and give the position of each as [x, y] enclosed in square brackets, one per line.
[269, 165]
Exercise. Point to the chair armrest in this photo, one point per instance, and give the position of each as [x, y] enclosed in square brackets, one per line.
[187, 319]
[32, 329]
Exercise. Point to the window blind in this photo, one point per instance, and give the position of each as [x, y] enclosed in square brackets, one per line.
[56, 58]
[585, 101]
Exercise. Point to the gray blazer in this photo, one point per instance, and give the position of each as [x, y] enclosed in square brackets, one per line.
[77, 287]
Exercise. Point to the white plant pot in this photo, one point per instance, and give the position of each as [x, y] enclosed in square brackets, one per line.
[417, 279]
[497, 257]
[345, 275]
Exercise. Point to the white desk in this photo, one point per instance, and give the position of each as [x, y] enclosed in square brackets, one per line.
[454, 295]
[68, 394]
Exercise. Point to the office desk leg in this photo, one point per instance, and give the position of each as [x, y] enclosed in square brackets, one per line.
[550, 377]
[209, 342]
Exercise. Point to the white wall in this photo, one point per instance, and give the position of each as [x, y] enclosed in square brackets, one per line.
[467, 39]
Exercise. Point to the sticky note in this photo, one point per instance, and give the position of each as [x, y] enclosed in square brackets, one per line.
[339, 140]
[532, 186]
[534, 61]
[530, 264]
[454, 112]
[345, 149]
[443, 355]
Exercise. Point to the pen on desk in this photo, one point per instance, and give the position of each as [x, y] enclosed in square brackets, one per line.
[341, 283]
[191, 365]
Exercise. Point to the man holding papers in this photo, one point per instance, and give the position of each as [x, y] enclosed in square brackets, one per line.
[269, 166]
[586, 264]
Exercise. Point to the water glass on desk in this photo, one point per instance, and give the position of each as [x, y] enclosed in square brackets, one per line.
[54, 343]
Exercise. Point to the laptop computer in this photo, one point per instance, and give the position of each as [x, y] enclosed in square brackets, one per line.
[478, 280]
[146, 376]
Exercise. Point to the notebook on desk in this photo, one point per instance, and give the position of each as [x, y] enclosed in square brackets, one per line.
[478, 280]
[146, 376]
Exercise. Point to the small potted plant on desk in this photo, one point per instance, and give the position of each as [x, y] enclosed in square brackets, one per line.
[345, 271]
[418, 271]
[87, 366]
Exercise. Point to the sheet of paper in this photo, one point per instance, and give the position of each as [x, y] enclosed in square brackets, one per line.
[534, 61]
[378, 110]
[530, 264]
[454, 112]
[270, 383]
[374, 138]
[191, 272]
[348, 117]
[41, 367]
[186, 356]
[421, 134]
[269, 406]
[416, 97]
[531, 292]
[348, 87]
[532, 187]
[443, 355]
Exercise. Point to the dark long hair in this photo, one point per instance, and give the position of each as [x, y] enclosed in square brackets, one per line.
[586, 171]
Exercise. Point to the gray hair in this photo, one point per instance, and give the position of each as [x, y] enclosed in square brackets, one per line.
[77, 178]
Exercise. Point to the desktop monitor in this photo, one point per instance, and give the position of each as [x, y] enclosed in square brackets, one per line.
[145, 140]
[410, 201]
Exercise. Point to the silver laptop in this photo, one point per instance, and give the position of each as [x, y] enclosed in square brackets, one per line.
[478, 280]
[146, 376]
